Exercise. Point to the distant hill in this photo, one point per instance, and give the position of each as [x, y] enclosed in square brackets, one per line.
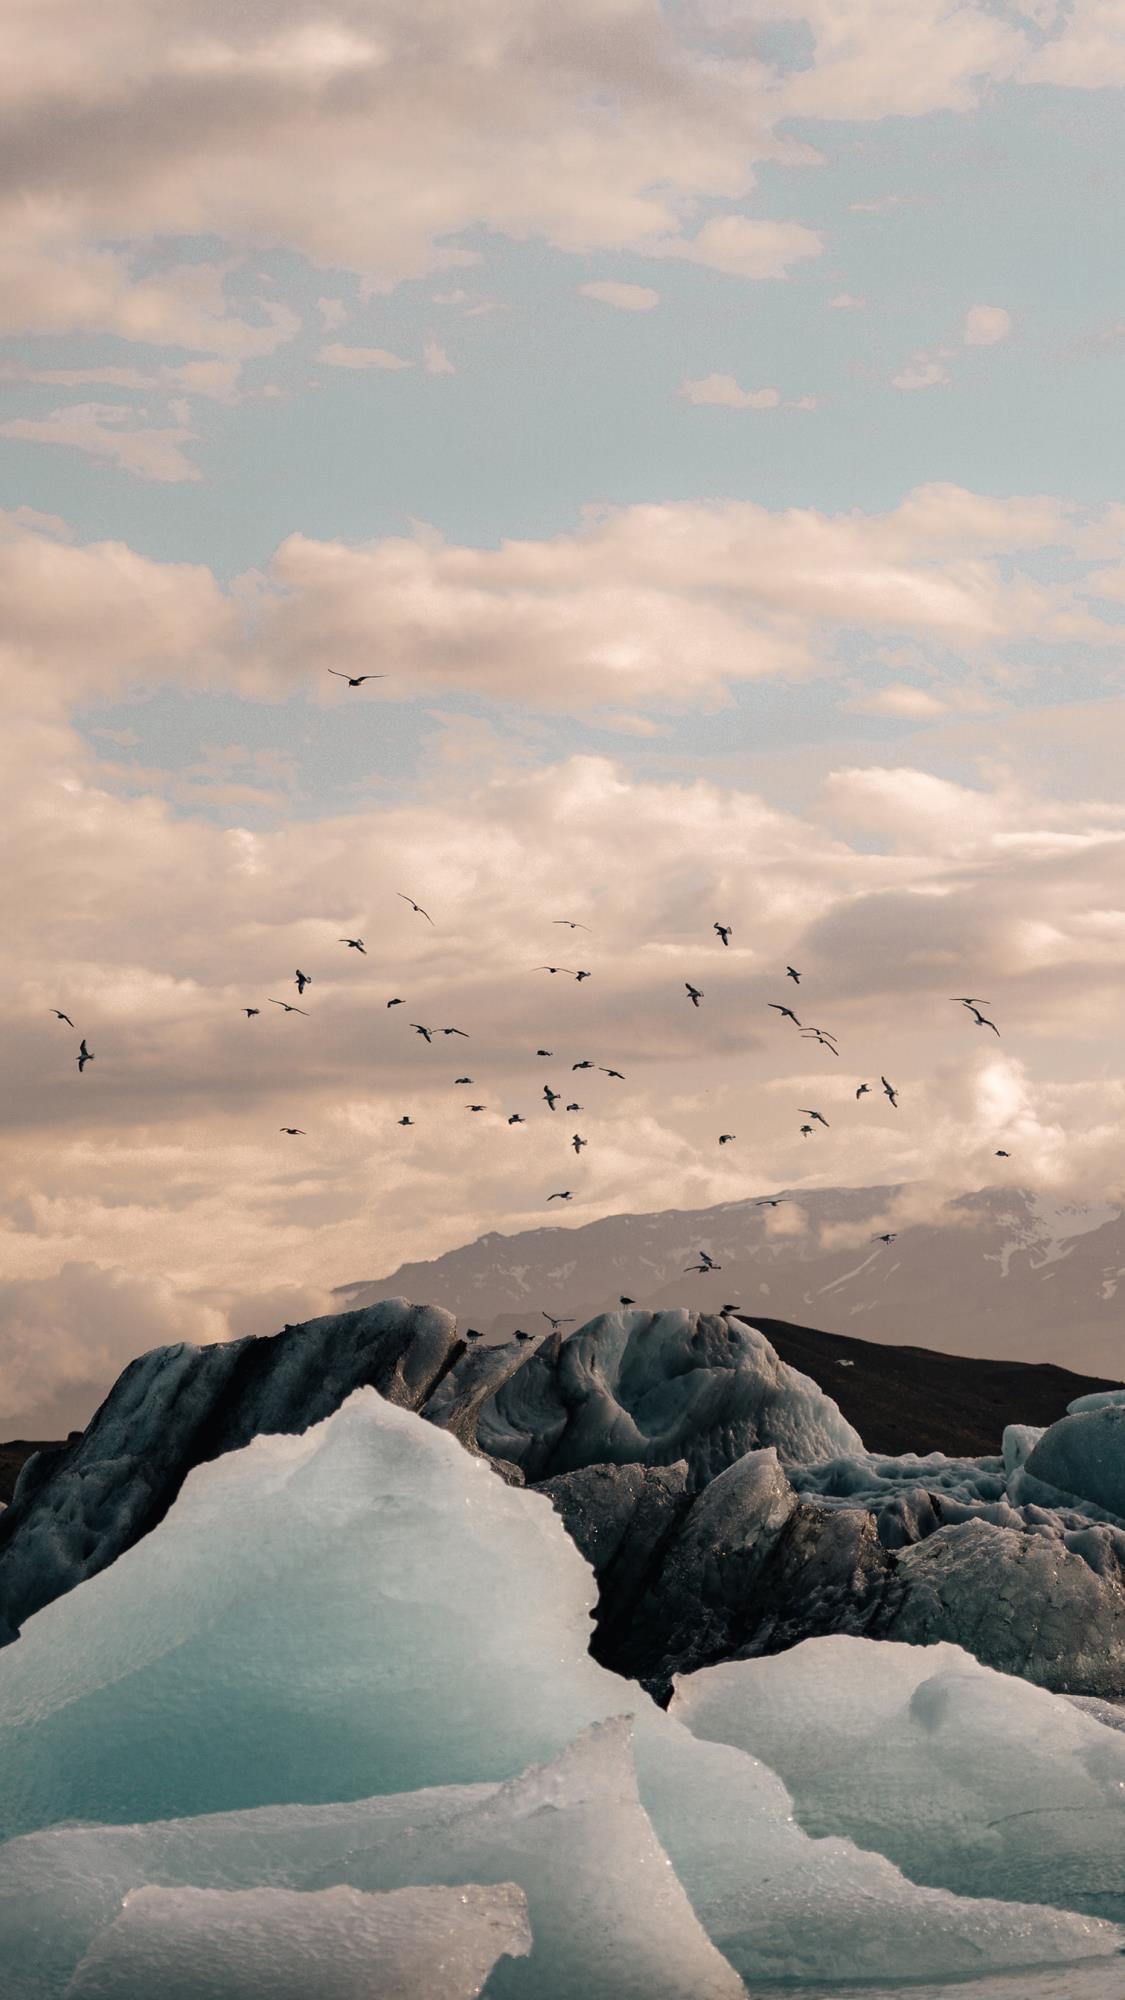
[1005, 1274]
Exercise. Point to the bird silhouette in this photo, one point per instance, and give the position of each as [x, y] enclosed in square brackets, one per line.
[577, 1143]
[552, 1096]
[406, 1121]
[707, 1262]
[396, 1003]
[293, 1131]
[693, 993]
[982, 1020]
[84, 1055]
[427, 1033]
[521, 1333]
[289, 1007]
[970, 1000]
[62, 1017]
[564, 1194]
[703, 1267]
[864, 1090]
[250, 1012]
[472, 1333]
[729, 1310]
[611, 1072]
[623, 1301]
[554, 968]
[1001, 1154]
[554, 1323]
[462, 1079]
[301, 979]
[807, 1112]
[515, 1119]
[726, 1137]
[723, 931]
[456, 1031]
[888, 1236]
[806, 1131]
[355, 680]
[356, 944]
[823, 1037]
[575, 1107]
[792, 973]
[544, 1052]
[786, 1012]
[474, 1107]
[416, 907]
[584, 1064]
[580, 976]
[889, 1092]
[570, 923]
[769, 1201]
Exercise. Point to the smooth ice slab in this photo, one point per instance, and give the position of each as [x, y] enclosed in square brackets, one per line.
[274, 1944]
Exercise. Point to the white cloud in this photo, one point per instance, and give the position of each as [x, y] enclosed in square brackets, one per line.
[743, 246]
[924, 371]
[116, 432]
[333, 313]
[338, 356]
[436, 360]
[985, 325]
[627, 298]
[846, 302]
[725, 391]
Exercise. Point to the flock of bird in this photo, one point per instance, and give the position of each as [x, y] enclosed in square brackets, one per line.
[823, 1038]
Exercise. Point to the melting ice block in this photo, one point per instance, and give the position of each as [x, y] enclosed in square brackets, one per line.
[964, 1777]
[272, 1944]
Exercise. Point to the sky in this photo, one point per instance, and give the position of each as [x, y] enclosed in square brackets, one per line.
[708, 419]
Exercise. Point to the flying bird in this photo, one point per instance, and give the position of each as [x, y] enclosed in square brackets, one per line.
[552, 1096]
[554, 968]
[66, 1017]
[792, 973]
[807, 1112]
[396, 1003]
[406, 1121]
[982, 1020]
[428, 1033]
[693, 993]
[703, 1267]
[462, 1079]
[611, 1072]
[889, 1092]
[553, 1323]
[580, 976]
[584, 1064]
[289, 1007]
[250, 1012]
[824, 1037]
[864, 1090]
[356, 944]
[563, 1195]
[970, 1000]
[302, 980]
[570, 923]
[544, 1052]
[578, 1143]
[726, 1137]
[786, 1012]
[456, 1031]
[84, 1055]
[575, 1107]
[474, 1107]
[515, 1119]
[1001, 1154]
[723, 931]
[806, 1131]
[355, 680]
[293, 1131]
[887, 1237]
[770, 1201]
[416, 907]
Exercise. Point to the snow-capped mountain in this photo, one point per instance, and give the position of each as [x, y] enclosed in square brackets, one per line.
[1002, 1272]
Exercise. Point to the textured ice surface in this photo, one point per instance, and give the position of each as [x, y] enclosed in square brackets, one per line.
[272, 1944]
[652, 1388]
[1082, 1460]
[966, 1778]
[363, 1610]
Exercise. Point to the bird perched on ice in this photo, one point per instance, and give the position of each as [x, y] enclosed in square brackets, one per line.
[553, 1323]
[623, 1301]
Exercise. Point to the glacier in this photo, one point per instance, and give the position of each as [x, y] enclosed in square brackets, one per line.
[350, 1666]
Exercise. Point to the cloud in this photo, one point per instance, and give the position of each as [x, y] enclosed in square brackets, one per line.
[361, 357]
[333, 313]
[924, 371]
[985, 325]
[745, 247]
[627, 298]
[846, 302]
[113, 431]
[725, 391]
[436, 360]
[54, 288]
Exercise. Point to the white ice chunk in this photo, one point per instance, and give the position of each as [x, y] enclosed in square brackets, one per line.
[966, 1778]
[274, 1944]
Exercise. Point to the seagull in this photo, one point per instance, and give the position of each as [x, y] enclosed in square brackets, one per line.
[520, 1334]
[611, 1072]
[555, 968]
[416, 907]
[575, 1107]
[553, 1323]
[578, 1143]
[580, 976]
[563, 1195]
[982, 1020]
[786, 1012]
[725, 1310]
[723, 931]
[515, 1119]
[807, 1112]
[250, 1012]
[293, 1131]
[474, 1107]
[406, 1121]
[863, 1091]
[462, 1079]
[703, 1267]
[806, 1131]
[302, 980]
[456, 1031]
[289, 1008]
[970, 1000]
[623, 1301]
[889, 1092]
[544, 1052]
[84, 1055]
[428, 1033]
[66, 1017]
[570, 923]
[770, 1201]
[888, 1237]
[472, 1333]
[726, 1137]
[693, 993]
[792, 973]
[822, 1036]
[356, 944]
[552, 1096]
[355, 680]
[584, 1064]
[706, 1261]
[396, 1003]
[1001, 1154]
